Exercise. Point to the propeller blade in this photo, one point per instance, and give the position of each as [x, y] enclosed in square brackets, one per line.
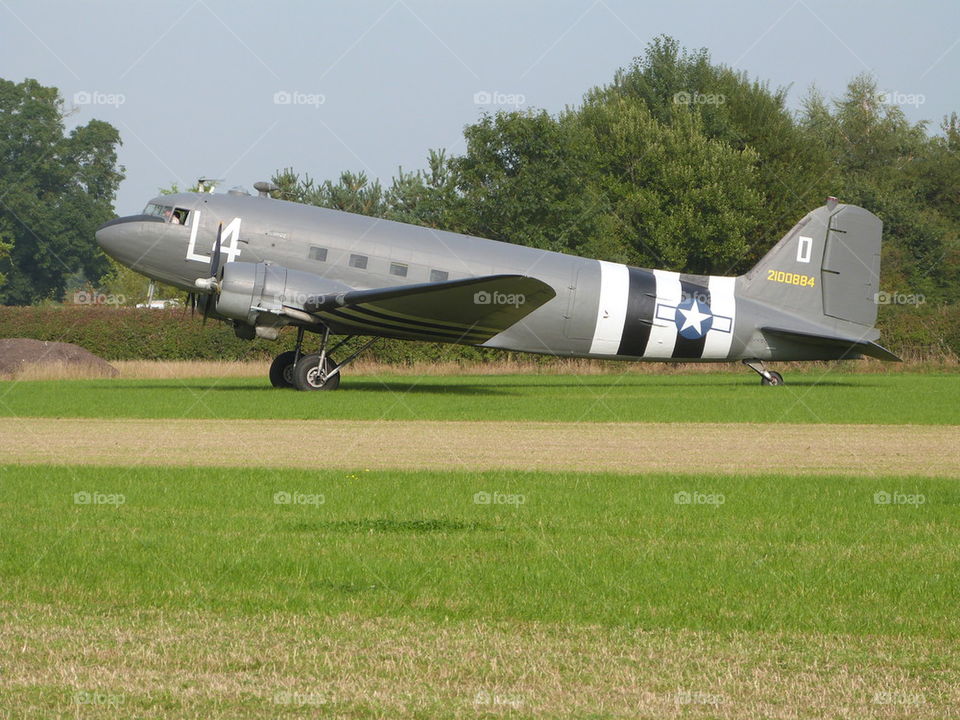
[215, 257]
[208, 303]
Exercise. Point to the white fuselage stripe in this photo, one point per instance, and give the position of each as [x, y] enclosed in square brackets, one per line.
[723, 304]
[612, 310]
[663, 334]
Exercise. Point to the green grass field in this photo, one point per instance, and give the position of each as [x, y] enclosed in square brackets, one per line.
[718, 397]
[206, 592]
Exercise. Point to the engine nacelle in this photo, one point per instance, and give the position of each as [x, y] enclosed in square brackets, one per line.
[248, 290]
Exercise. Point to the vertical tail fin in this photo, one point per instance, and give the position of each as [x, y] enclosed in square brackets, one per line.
[825, 271]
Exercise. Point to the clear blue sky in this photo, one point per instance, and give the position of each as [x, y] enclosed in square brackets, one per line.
[373, 85]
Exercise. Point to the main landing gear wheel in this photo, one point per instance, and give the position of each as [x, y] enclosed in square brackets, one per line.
[307, 374]
[281, 369]
[774, 379]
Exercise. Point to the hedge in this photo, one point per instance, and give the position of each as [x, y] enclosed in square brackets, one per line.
[923, 332]
[119, 333]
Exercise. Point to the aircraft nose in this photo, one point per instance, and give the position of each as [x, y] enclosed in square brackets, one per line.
[109, 235]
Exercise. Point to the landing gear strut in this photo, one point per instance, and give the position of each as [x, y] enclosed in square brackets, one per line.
[312, 371]
[766, 376]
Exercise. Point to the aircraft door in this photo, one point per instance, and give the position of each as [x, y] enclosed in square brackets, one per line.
[581, 314]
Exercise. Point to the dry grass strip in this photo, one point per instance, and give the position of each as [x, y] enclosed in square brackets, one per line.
[152, 663]
[615, 447]
[184, 369]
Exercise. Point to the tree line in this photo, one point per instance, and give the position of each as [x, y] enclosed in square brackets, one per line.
[678, 163]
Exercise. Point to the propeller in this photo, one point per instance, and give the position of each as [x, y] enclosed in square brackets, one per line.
[210, 283]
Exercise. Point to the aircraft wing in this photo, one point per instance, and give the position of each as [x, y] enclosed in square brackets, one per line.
[469, 311]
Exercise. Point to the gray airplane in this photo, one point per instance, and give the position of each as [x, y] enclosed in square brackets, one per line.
[262, 264]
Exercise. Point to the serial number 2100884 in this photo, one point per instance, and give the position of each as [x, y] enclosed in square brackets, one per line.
[789, 278]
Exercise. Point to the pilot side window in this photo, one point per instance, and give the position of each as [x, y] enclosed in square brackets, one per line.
[439, 275]
[398, 269]
[318, 253]
[170, 214]
[358, 261]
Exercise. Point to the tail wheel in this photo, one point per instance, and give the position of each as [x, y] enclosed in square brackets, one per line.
[307, 374]
[774, 379]
[281, 370]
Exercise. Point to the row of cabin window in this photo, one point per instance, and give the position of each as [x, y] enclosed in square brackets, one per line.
[360, 262]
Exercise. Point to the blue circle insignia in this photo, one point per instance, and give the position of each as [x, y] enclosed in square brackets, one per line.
[694, 319]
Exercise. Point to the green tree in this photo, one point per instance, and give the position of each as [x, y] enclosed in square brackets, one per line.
[56, 190]
[793, 174]
[895, 169]
[353, 192]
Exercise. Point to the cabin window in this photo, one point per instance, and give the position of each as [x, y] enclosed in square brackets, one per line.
[439, 275]
[358, 261]
[398, 269]
[318, 253]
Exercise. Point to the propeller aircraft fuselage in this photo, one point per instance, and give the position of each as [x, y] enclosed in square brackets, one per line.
[262, 264]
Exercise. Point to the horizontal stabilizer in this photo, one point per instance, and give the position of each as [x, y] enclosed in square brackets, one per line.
[470, 311]
[846, 347]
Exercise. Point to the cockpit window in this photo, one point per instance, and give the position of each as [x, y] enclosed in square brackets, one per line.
[154, 209]
[170, 214]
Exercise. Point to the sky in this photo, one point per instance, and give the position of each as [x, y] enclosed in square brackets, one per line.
[238, 90]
